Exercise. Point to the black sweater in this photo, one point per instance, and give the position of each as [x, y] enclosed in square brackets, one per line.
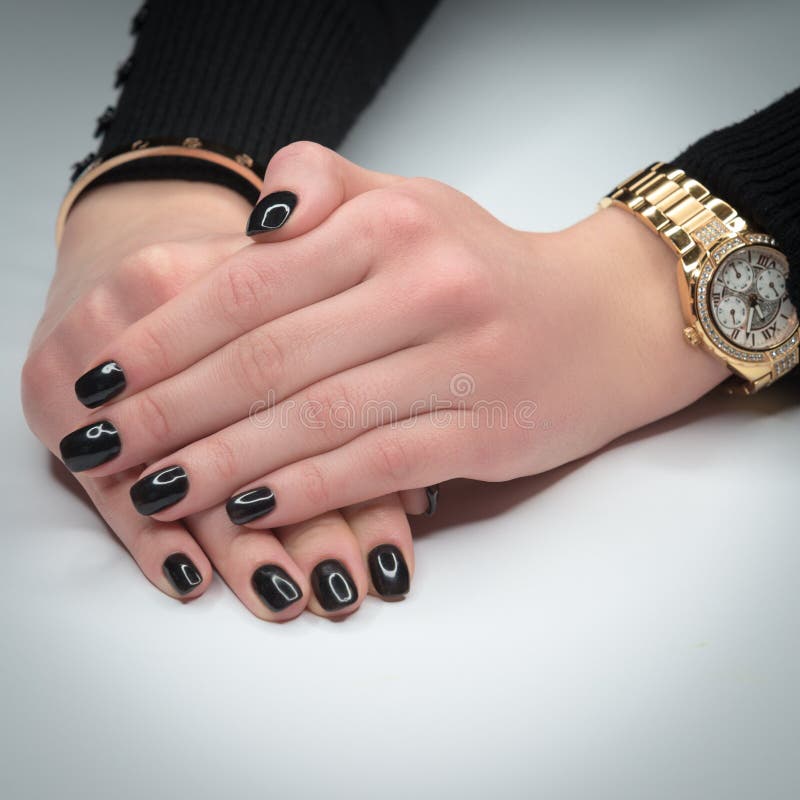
[256, 74]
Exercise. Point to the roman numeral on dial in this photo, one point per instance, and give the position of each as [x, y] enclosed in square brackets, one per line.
[769, 331]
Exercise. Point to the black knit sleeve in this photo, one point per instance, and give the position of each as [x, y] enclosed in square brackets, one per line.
[755, 166]
[252, 75]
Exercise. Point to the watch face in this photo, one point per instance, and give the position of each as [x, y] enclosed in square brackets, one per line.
[748, 300]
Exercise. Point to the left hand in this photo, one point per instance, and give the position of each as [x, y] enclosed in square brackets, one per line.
[493, 352]
[127, 248]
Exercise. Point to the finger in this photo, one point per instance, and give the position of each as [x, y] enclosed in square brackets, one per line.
[150, 277]
[313, 421]
[256, 285]
[254, 564]
[166, 553]
[383, 460]
[264, 367]
[328, 553]
[383, 533]
[135, 287]
[303, 184]
[414, 501]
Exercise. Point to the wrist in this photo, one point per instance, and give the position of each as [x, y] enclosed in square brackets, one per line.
[133, 214]
[635, 273]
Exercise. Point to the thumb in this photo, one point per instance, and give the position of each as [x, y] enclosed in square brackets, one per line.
[304, 183]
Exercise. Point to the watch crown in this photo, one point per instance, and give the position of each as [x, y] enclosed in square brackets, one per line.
[690, 334]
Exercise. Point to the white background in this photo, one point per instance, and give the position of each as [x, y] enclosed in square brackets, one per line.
[622, 627]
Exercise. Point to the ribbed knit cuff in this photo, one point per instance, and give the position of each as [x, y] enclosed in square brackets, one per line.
[755, 166]
[253, 75]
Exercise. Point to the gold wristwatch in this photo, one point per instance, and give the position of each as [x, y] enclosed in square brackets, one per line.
[731, 278]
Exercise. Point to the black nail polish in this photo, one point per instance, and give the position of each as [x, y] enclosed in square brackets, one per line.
[90, 446]
[271, 212]
[432, 493]
[333, 585]
[250, 505]
[389, 571]
[100, 384]
[182, 573]
[275, 588]
[160, 490]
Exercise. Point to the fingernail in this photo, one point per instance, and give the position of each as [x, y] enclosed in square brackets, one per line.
[100, 384]
[333, 585]
[388, 570]
[271, 212]
[160, 490]
[90, 446]
[275, 588]
[432, 493]
[250, 505]
[182, 573]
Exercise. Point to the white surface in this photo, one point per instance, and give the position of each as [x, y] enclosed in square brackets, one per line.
[625, 627]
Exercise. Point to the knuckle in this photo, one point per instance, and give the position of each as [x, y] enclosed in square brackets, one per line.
[330, 409]
[241, 292]
[315, 485]
[154, 417]
[405, 213]
[153, 271]
[259, 361]
[151, 348]
[427, 187]
[392, 460]
[458, 282]
[221, 455]
[95, 310]
[472, 281]
[364, 215]
[301, 151]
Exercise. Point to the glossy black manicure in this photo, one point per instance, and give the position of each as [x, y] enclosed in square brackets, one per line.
[160, 490]
[275, 588]
[389, 571]
[333, 585]
[271, 212]
[182, 573]
[250, 505]
[432, 493]
[90, 446]
[100, 384]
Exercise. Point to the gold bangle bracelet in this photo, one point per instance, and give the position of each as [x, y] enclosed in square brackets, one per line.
[191, 147]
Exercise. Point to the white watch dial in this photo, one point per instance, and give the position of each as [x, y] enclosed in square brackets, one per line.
[771, 284]
[748, 299]
[737, 275]
[731, 312]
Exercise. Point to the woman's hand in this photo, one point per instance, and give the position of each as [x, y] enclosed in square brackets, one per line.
[127, 249]
[408, 339]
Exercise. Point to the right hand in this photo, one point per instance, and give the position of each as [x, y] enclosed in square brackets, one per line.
[128, 248]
